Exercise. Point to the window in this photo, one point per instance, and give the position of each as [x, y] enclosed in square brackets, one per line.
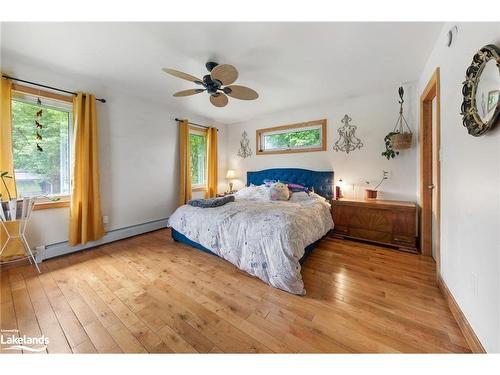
[303, 137]
[40, 172]
[198, 146]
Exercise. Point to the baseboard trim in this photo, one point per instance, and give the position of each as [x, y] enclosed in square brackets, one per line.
[465, 327]
[63, 248]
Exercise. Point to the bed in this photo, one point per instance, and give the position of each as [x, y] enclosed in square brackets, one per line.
[267, 239]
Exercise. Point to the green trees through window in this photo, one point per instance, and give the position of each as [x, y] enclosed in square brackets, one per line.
[40, 172]
[293, 139]
[198, 145]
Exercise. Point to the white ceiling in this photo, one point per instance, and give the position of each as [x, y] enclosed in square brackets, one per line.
[288, 64]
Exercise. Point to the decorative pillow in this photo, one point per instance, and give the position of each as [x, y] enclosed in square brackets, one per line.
[211, 202]
[279, 192]
[268, 183]
[294, 188]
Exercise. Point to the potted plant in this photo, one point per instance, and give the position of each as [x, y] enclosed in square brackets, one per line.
[372, 193]
[389, 149]
[402, 135]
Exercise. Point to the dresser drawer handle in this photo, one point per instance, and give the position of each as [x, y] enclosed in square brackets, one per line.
[403, 240]
[343, 230]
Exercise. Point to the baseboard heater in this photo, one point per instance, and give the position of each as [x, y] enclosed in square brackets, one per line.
[62, 248]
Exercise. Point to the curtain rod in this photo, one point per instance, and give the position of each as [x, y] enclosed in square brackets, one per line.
[46, 87]
[192, 123]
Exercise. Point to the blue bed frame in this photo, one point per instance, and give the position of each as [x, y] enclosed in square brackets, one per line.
[320, 181]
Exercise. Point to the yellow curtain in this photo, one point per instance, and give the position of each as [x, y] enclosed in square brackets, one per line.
[6, 159]
[14, 248]
[185, 163]
[212, 162]
[85, 210]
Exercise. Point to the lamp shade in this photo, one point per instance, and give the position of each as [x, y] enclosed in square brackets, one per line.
[230, 174]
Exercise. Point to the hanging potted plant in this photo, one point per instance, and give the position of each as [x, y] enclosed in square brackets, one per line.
[371, 194]
[389, 149]
[401, 136]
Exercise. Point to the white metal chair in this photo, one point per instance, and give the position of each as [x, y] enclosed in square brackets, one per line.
[17, 211]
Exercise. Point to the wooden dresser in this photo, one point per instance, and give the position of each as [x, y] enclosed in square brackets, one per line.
[392, 223]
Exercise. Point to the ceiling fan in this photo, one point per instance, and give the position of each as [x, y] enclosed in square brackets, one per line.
[220, 75]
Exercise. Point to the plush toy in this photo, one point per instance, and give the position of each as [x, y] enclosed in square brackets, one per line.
[279, 192]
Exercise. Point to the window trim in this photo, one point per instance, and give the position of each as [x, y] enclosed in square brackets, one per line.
[260, 132]
[203, 132]
[44, 94]
[64, 199]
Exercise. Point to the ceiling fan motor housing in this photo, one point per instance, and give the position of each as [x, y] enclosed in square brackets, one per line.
[211, 85]
[210, 65]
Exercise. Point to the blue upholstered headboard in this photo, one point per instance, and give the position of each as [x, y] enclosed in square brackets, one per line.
[322, 182]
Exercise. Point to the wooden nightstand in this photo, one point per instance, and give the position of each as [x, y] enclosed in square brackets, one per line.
[392, 223]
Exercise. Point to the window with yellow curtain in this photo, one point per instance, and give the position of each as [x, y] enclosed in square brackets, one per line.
[41, 149]
[198, 149]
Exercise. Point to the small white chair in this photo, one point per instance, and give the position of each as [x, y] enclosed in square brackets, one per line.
[17, 211]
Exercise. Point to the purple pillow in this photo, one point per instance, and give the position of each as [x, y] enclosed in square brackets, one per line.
[295, 188]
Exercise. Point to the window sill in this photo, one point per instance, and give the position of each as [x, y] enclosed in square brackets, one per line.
[198, 188]
[44, 205]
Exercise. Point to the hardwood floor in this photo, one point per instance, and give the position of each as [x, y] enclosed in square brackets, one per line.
[151, 294]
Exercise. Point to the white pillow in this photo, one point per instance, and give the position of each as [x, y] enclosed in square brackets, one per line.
[253, 192]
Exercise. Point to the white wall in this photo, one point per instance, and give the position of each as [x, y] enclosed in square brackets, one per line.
[470, 191]
[138, 154]
[374, 114]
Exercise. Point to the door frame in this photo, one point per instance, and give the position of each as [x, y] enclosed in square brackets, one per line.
[431, 91]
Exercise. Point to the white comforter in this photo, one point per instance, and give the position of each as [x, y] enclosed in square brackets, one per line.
[264, 238]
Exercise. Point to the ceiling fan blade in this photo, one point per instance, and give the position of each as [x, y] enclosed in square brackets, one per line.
[219, 99]
[242, 92]
[224, 73]
[179, 74]
[188, 92]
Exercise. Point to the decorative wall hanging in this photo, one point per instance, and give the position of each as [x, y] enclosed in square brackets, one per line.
[481, 104]
[245, 151]
[401, 135]
[347, 141]
[38, 125]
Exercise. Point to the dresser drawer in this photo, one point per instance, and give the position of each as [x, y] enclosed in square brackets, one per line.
[370, 235]
[340, 229]
[405, 241]
[373, 219]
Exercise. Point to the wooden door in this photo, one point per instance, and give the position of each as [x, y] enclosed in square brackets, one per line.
[430, 169]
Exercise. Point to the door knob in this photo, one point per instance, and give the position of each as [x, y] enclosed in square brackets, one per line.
[432, 186]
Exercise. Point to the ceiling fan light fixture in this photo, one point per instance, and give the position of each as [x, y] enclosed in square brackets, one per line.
[220, 75]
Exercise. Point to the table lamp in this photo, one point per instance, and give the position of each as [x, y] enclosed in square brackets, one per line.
[230, 175]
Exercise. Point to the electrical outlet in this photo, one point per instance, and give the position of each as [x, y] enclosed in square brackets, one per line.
[105, 219]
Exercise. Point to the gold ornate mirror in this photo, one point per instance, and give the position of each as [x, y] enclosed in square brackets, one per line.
[481, 91]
